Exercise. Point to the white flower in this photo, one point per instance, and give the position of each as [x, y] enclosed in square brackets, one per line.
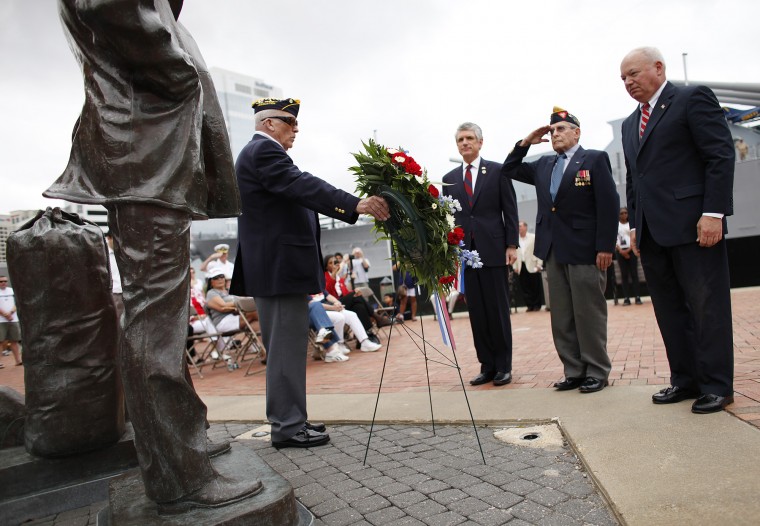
[399, 158]
[450, 221]
[434, 206]
[391, 151]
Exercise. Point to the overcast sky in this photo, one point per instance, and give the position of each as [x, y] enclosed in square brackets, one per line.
[412, 70]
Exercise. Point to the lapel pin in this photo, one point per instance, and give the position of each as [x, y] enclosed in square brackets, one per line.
[662, 106]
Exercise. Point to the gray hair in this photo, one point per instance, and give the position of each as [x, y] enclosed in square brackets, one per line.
[652, 54]
[470, 126]
[262, 115]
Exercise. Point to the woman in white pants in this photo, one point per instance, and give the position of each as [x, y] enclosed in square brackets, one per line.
[340, 316]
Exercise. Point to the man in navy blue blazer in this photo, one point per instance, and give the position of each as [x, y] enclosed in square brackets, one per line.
[279, 260]
[489, 220]
[576, 230]
[679, 159]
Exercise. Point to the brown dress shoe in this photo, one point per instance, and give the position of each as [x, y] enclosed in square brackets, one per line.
[218, 492]
[216, 449]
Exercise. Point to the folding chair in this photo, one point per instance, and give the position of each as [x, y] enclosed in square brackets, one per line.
[317, 349]
[369, 295]
[226, 344]
[200, 357]
[251, 342]
[203, 343]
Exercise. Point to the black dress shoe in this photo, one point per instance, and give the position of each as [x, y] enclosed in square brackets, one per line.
[592, 385]
[319, 427]
[502, 378]
[482, 378]
[568, 384]
[710, 403]
[304, 438]
[673, 394]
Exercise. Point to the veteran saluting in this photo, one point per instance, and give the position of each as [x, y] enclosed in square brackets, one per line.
[576, 230]
[279, 260]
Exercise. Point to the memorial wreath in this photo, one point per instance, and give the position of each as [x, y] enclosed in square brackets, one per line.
[426, 240]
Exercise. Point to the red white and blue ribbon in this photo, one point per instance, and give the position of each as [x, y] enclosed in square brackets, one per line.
[444, 323]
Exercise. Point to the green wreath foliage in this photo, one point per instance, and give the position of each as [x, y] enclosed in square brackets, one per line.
[422, 221]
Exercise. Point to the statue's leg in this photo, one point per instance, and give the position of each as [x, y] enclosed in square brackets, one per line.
[152, 246]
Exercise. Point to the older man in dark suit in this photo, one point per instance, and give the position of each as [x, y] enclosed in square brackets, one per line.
[489, 221]
[279, 260]
[679, 184]
[576, 229]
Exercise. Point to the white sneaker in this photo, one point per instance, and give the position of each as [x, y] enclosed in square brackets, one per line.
[369, 346]
[323, 333]
[342, 347]
[214, 355]
[334, 355]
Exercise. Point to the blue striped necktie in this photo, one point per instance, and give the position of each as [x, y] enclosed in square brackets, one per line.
[557, 172]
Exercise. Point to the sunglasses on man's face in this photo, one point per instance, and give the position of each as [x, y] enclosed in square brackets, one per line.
[290, 121]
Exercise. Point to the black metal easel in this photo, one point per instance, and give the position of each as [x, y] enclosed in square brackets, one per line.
[425, 344]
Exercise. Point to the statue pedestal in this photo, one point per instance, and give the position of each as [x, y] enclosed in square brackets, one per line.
[274, 506]
[36, 487]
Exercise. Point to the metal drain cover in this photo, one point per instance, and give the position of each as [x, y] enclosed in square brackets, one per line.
[547, 436]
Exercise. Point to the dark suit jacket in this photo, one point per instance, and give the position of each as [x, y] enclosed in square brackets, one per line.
[583, 220]
[278, 232]
[492, 219]
[682, 167]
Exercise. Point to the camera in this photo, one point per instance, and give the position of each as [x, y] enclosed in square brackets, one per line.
[351, 256]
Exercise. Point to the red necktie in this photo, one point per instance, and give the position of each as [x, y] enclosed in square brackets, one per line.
[468, 183]
[644, 119]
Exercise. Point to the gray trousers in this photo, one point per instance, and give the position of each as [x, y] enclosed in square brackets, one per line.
[579, 318]
[152, 248]
[285, 331]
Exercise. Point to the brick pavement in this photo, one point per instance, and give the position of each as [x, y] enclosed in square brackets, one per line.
[415, 478]
[634, 344]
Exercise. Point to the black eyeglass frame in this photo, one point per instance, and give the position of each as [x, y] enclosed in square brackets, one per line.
[290, 121]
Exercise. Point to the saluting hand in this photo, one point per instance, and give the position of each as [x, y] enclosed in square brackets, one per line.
[537, 136]
[375, 206]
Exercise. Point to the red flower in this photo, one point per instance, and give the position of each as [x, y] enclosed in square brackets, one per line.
[455, 236]
[445, 280]
[433, 191]
[411, 167]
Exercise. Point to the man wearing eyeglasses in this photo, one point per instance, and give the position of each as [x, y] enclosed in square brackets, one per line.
[576, 230]
[279, 260]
